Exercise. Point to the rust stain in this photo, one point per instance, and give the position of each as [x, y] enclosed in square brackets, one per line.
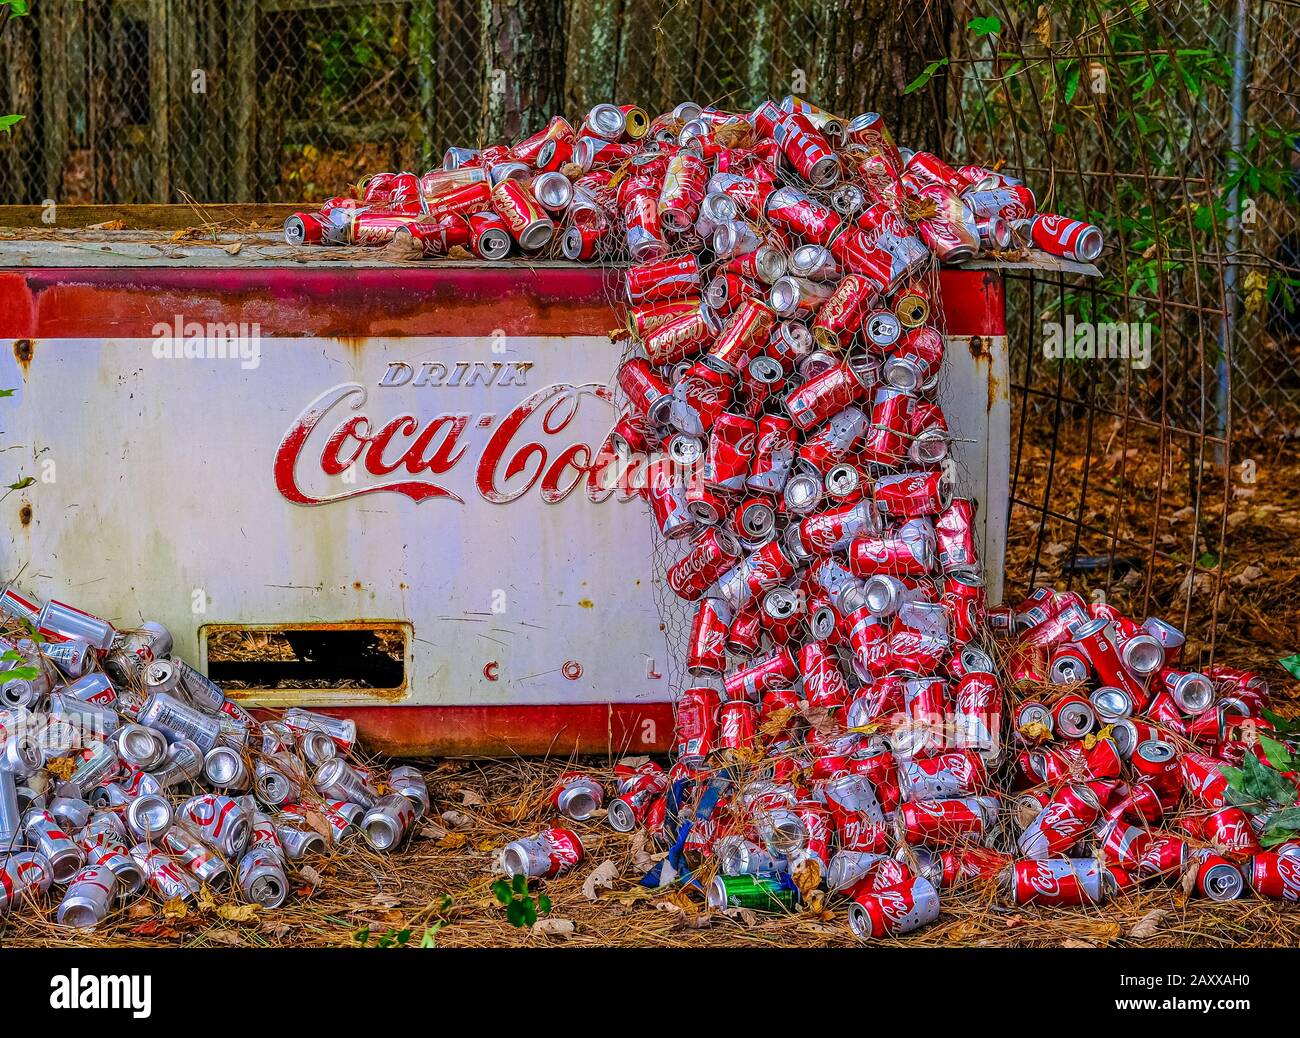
[586, 603]
[979, 347]
[23, 350]
[25, 514]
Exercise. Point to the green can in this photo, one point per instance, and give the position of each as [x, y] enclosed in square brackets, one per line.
[757, 893]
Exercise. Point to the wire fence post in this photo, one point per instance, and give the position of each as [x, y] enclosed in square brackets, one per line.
[1231, 271]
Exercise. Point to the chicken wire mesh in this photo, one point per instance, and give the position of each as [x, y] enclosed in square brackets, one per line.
[1171, 124]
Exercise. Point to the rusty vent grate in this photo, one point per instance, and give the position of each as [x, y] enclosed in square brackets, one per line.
[281, 658]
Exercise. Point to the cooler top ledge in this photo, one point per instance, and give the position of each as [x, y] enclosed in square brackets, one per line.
[94, 249]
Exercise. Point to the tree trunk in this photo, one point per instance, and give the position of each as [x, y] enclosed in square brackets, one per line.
[527, 85]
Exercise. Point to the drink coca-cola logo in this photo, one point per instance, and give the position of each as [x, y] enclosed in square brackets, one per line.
[335, 451]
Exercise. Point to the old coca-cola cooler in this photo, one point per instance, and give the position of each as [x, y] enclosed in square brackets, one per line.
[359, 486]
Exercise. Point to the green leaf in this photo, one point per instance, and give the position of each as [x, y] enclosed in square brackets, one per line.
[926, 75]
[520, 884]
[7, 392]
[501, 890]
[530, 911]
[23, 483]
[362, 936]
[1234, 777]
[543, 903]
[18, 674]
[1292, 665]
[515, 913]
[1071, 84]
[1264, 783]
[1272, 837]
[1279, 722]
[18, 8]
[985, 25]
[8, 122]
[429, 940]
[1278, 755]
[1288, 818]
[403, 936]
[10, 656]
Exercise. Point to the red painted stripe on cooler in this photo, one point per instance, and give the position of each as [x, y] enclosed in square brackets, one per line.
[359, 302]
[485, 731]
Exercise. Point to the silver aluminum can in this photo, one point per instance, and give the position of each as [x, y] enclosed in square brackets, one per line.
[89, 721]
[219, 821]
[69, 622]
[198, 688]
[343, 730]
[139, 746]
[178, 720]
[297, 838]
[262, 878]
[387, 822]
[89, 898]
[134, 650]
[277, 780]
[74, 658]
[99, 764]
[11, 819]
[264, 833]
[167, 877]
[409, 781]
[71, 812]
[318, 747]
[197, 857]
[183, 763]
[44, 835]
[225, 768]
[149, 816]
[25, 873]
[20, 755]
[336, 780]
[344, 819]
[107, 850]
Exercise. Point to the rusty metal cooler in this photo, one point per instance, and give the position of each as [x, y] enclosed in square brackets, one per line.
[401, 451]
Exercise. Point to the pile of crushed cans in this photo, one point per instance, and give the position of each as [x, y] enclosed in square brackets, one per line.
[841, 736]
[124, 768]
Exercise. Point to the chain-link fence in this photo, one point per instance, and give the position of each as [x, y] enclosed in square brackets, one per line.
[1170, 123]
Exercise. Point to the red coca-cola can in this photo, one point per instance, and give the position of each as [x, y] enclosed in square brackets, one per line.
[776, 669]
[823, 684]
[712, 553]
[696, 713]
[730, 452]
[1271, 874]
[738, 725]
[744, 336]
[905, 551]
[940, 822]
[647, 392]
[664, 279]
[839, 319]
[824, 395]
[908, 495]
[954, 529]
[528, 223]
[707, 649]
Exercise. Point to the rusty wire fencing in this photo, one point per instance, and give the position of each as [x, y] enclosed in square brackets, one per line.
[1151, 403]
[1170, 123]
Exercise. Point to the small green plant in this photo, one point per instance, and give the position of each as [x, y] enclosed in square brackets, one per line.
[396, 938]
[522, 907]
[16, 673]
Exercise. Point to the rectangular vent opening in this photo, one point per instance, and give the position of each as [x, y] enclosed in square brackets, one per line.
[254, 658]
